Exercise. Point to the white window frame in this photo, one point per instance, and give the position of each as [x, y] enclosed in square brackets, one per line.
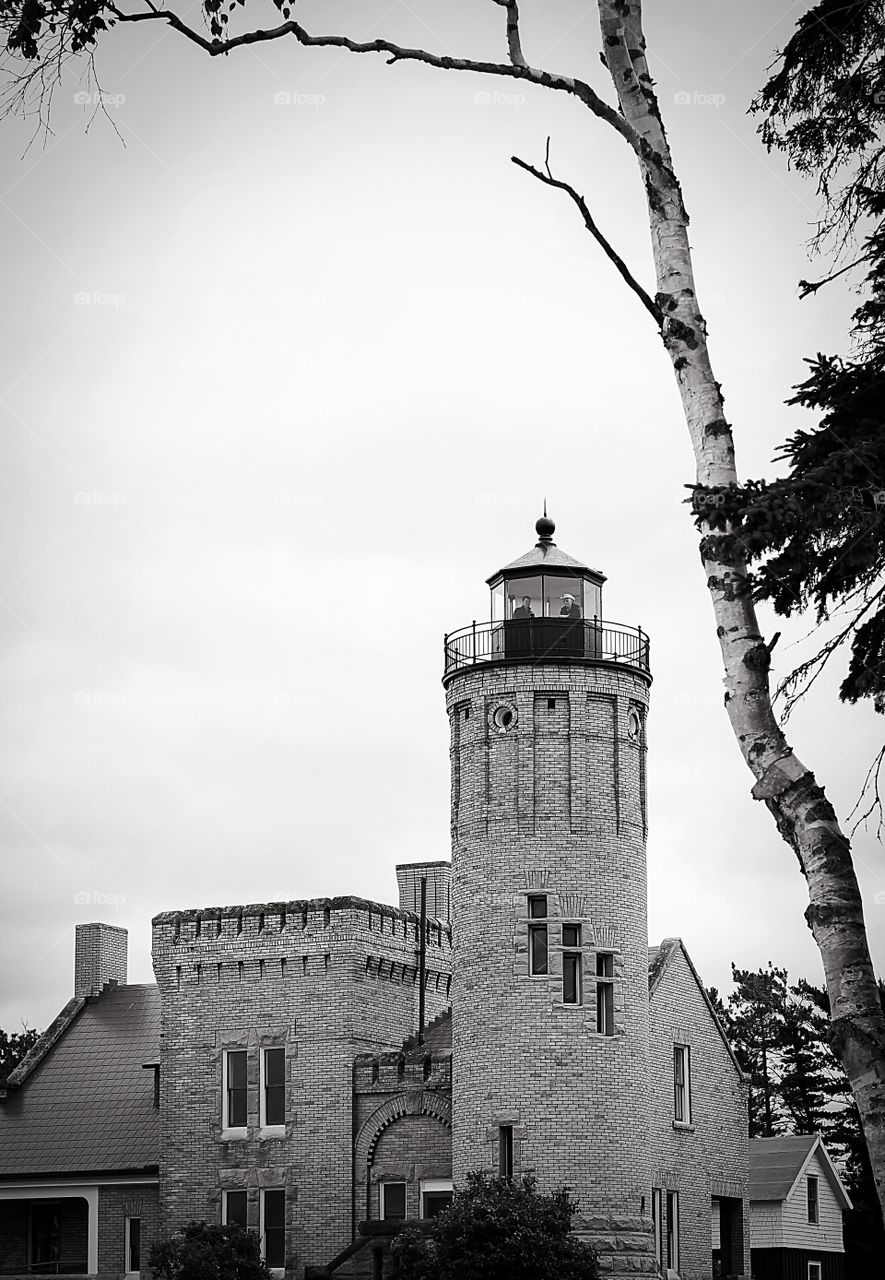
[382, 1205]
[269, 1129]
[809, 1179]
[232, 1191]
[815, 1271]
[682, 1053]
[228, 1130]
[275, 1271]
[673, 1250]
[434, 1184]
[127, 1244]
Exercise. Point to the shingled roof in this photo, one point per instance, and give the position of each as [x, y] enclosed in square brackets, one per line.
[86, 1106]
[776, 1164]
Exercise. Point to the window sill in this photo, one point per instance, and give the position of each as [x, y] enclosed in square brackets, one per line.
[272, 1131]
[229, 1135]
[683, 1126]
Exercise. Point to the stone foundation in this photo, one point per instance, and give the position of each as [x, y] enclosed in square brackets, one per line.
[625, 1246]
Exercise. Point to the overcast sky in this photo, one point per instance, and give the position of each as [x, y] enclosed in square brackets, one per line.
[292, 356]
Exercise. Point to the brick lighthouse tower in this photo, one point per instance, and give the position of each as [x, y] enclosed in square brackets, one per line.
[547, 704]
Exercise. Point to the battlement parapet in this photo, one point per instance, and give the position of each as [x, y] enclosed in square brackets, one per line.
[299, 920]
[399, 1072]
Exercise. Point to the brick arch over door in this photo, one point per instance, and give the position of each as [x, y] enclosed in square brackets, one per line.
[424, 1103]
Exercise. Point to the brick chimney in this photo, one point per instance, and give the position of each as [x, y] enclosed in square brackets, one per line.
[408, 877]
[99, 957]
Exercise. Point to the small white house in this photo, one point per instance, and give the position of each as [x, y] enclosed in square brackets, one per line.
[796, 1204]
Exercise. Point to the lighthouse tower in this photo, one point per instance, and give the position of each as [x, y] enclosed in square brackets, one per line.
[547, 704]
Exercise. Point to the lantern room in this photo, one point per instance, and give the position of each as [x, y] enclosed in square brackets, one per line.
[546, 606]
[546, 583]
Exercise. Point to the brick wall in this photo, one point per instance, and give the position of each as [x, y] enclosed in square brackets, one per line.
[100, 953]
[554, 805]
[325, 979]
[115, 1205]
[708, 1157]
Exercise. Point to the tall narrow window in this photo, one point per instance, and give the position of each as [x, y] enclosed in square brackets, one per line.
[811, 1196]
[682, 1083]
[273, 1226]
[234, 1209]
[657, 1215]
[571, 964]
[393, 1200]
[538, 934]
[273, 1087]
[605, 993]
[235, 1089]
[505, 1151]
[133, 1245]
[815, 1271]
[673, 1230]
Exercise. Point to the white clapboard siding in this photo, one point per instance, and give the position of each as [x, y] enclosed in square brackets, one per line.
[799, 1233]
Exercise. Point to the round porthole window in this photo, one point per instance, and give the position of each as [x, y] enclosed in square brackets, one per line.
[502, 717]
[634, 725]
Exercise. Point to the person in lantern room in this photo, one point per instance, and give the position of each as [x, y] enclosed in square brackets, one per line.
[524, 609]
[570, 607]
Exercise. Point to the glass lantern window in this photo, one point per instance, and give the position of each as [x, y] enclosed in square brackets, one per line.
[523, 598]
[563, 596]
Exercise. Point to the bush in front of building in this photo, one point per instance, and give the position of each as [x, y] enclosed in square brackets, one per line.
[497, 1229]
[202, 1251]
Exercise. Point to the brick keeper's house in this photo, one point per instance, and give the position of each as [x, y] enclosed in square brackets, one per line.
[318, 1070]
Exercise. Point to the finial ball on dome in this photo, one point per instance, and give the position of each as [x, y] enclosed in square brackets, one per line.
[545, 528]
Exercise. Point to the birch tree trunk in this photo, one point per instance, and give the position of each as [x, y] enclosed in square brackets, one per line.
[803, 815]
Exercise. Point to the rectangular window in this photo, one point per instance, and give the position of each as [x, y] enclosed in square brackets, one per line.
[436, 1195]
[811, 1196]
[538, 907]
[133, 1244]
[571, 935]
[273, 1087]
[673, 1230]
[605, 993]
[815, 1271]
[505, 1151]
[657, 1214]
[273, 1226]
[538, 948]
[571, 977]
[235, 1093]
[393, 1200]
[682, 1083]
[235, 1209]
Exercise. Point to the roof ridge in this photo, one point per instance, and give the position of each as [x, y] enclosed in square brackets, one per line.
[50, 1036]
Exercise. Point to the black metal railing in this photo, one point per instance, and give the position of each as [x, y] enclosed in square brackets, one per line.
[546, 640]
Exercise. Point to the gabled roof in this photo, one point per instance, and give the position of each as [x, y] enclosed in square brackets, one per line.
[658, 962]
[777, 1164]
[84, 1103]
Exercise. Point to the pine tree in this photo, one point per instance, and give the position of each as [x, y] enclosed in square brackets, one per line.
[756, 1013]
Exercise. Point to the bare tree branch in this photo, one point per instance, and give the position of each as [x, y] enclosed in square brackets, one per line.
[811, 286]
[612, 254]
[872, 788]
[399, 53]
[513, 42]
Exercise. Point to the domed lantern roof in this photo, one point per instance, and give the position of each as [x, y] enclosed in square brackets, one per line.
[546, 582]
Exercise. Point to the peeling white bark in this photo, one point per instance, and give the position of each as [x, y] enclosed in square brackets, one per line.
[803, 815]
